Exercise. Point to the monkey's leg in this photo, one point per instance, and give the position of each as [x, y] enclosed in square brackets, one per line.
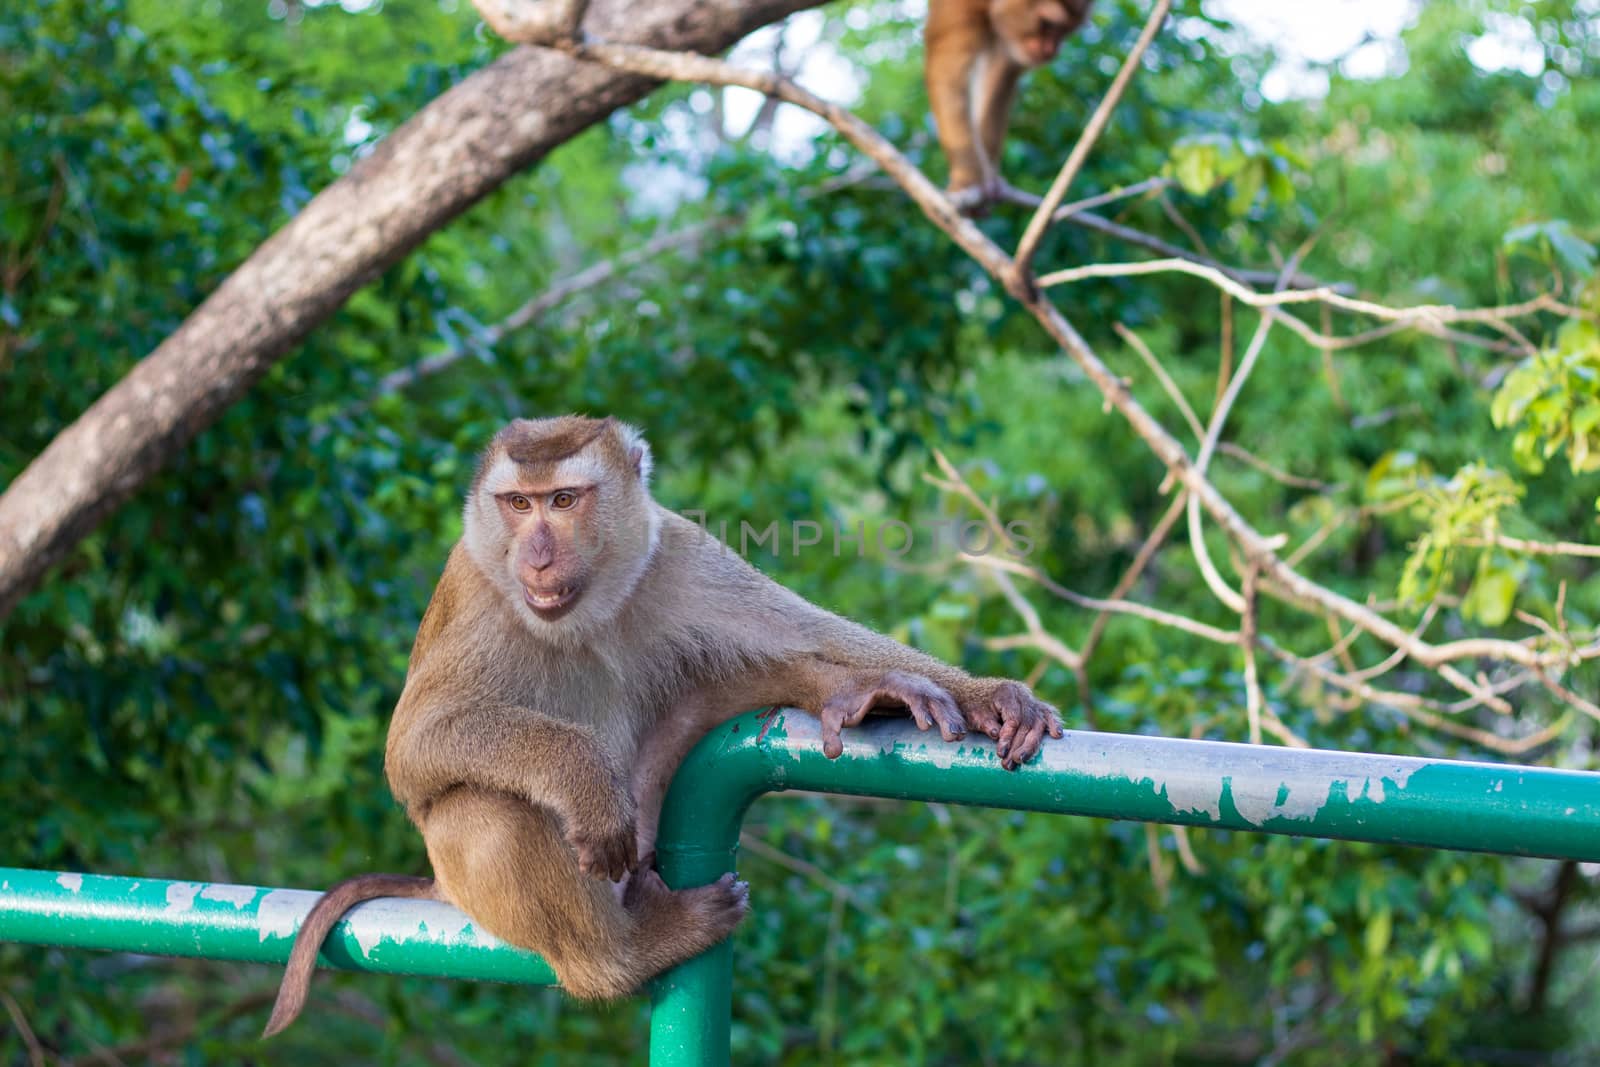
[953, 46]
[507, 865]
[511, 749]
[996, 94]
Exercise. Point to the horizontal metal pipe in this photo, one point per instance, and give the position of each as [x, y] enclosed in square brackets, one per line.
[1454, 804]
[242, 922]
[1516, 810]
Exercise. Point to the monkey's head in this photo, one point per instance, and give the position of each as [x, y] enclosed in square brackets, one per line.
[560, 519]
[1034, 29]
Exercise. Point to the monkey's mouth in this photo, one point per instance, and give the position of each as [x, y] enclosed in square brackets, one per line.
[550, 605]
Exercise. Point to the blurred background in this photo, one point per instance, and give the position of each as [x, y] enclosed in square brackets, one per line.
[201, 690]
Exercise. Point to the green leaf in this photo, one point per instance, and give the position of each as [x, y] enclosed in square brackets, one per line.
[1491, 597]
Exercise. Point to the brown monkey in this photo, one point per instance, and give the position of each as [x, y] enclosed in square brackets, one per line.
[581, 639]
[976, 50]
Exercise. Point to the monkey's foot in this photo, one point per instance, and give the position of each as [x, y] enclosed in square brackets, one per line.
[714, 909]
[971, 200]
[1016, 719]
[928, 704]
[719, 905]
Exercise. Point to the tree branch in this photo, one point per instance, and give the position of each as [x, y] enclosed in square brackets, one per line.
[1042, 217]
[451, 154]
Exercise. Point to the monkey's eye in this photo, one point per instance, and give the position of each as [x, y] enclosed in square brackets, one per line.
[519, 502]
[563, 500]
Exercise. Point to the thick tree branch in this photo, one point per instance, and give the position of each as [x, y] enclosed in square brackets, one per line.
[450, 155]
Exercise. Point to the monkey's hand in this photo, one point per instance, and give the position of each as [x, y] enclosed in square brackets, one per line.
[605, 837]
[1017, 720]
[928, 704]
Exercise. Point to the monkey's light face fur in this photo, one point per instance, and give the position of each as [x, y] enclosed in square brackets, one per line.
[1034, 29]
[560, 519]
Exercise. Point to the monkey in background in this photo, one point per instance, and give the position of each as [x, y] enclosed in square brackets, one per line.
[975, 53]
[581, 640]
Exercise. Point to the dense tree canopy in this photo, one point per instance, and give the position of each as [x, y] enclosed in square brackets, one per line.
[201, 689]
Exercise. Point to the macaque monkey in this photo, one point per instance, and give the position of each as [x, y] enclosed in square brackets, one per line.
[976, 51]
[580, 641]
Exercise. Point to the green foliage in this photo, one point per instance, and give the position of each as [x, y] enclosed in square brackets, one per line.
[201, 689]
[1457, 513]
[1205, 162]
[1553, 398]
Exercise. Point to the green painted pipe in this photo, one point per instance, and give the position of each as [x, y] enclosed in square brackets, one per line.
[1515, 810]
[1486, 807]
[242, 922]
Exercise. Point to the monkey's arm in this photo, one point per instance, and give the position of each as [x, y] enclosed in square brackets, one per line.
[957, 35]
[448, 743]
[794, 652]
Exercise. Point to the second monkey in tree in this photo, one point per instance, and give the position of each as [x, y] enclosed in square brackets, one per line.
[976, 52]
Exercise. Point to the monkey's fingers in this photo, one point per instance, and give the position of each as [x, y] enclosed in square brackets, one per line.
[833, 714]
[984, 718]
[921, 714]
[942, 708]
[1024, 749]
[1008, 734]
[1055, 727]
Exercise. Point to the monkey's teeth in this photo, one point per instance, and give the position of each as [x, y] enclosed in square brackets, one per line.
[548, 600]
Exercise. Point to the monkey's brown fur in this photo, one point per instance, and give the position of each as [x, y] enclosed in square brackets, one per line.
[581, 640]
[975, 53]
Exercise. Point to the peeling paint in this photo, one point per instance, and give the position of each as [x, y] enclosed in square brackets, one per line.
[280, 912]
[1307, 796]
[180, 895]
[237, 895]
[396, 920]
[1191, 793]
[70, 882]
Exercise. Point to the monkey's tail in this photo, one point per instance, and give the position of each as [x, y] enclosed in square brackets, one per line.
[329, 910]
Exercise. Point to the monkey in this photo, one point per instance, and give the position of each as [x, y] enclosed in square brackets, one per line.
[581, 639]
[975, 53]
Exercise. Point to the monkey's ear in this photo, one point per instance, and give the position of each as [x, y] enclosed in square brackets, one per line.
[639, 456]
[638, 452]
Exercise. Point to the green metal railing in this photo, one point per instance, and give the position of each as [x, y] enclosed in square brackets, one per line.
[1523, 811]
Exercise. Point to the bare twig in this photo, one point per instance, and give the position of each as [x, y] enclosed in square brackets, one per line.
[1127, 192]
[1135, 342]
[806, 869]
[559, 292]
[1277, 474]
[1534, 548]
[30, 1040]
[1255, 699]
[1429, 318]
[1186, 856]
[1147, 551]
[1086, 140]
[1160, 876]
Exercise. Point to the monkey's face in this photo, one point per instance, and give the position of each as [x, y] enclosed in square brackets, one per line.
[564, 538]
[1034, 29]
[549, 526]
